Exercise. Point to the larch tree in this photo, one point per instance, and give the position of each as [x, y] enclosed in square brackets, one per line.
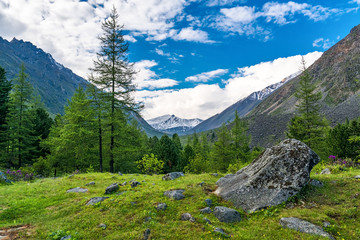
[113, 73]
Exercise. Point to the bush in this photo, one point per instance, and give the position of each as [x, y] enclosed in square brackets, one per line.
[197, 165]
[150, 164]
[42, 167]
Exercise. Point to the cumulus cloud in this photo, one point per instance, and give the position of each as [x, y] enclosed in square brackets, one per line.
[206, 100]
[323, 43]
[207, 76]
[146, 78]
[189, 34]
[213, 3]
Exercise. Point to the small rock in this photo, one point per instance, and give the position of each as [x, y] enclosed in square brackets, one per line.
[326, 224]
[133, 203]
[135, 183]
[67, 237]
[70, 176]
[147, 234]
[205, 210]
[221, 231]
[95, 200]
[78, 190]
[290, 205]
[207, 220]
[143, 181]
[304, 226]
[120, 173]
[132, 180]
[112, 188]
[316, 183]
[161, 206]
[215, 174]
[208, 202]
[356, 195]
[187, 217]
[90, 183]
[227, 215]
[325, 171]
[123, 184]
[121, 193]
[357, 177]
[147, 219]
[102, 225]
[175, 194]
[4, 178]
[201, 184]
[172, 175]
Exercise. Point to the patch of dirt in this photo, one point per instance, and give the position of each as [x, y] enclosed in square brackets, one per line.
[13, 232]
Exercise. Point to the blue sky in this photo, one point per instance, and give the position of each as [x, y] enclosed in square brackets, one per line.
[194, 57]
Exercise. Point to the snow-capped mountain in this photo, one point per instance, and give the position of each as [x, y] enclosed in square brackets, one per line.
[173, 124]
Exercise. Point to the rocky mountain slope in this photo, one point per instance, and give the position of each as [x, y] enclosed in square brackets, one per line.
[54, 82]
[243, 107]
[172, 124]
[336, 74]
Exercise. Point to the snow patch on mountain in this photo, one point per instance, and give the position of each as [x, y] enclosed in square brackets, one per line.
[168, 122]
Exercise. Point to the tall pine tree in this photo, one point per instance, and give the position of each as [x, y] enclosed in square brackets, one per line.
[113, 73]
[5, 87]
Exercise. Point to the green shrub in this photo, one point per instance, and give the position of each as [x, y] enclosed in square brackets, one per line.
[150, 164]
[42, 167]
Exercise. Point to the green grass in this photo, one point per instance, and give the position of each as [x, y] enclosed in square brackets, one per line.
[45, 205]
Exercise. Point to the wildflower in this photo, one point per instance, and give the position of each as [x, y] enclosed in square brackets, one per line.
[332, 156]
[8, 171]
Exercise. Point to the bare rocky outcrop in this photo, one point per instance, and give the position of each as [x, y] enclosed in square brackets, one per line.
[277, 174]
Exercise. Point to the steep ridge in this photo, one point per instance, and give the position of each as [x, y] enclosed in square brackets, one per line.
[336, 74]
[243, 106]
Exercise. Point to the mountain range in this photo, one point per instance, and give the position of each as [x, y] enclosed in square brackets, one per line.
[171, 124]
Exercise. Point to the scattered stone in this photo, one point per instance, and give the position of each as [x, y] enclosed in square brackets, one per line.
[326, 224]
[208, 202]
[70, 176]
[132, 180]
[78, 190]
[161, 206]
[135, 183]
[325, 171]
[102, 225]
[112, 188]
[227, 215]
[67, 237]
[175, 194]
[147, 234]
[172, 175]
[290, 205]
[143, 181]
[311, 205]
[221, 231]
[95, 200]
[304, 226]
[277, 174]
[201, 184]
[357, 177]
[121, 193]
[147, 219]
[356, 195]
[4, 178]
[187, 217]
[123, 184]
[207, 220]
[120, 173]
[90, 183]
[316, 183]
[205, 210]
[215, 174]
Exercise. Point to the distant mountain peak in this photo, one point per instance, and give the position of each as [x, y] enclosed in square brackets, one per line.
[171, 123]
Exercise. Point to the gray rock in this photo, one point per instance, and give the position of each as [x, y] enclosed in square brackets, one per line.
[4, 178]
[326, 224]
[70, 176]
[123, 184]
[132, 180]
[201, 184]
[175, 194]
[102, 225]
[316, 183]
[277, 174]
[135, 184]
[221, 232]
[95, 200]
[207, 220]
[215, 174]
[357, 177]
[112, 188]
[133, 203]
[120, 173]
[325, 171]
[304, 226]
[147, 219]
[161, 206]
[78, 190]
[205, 210]
[147, 234]
[187, 217]
[172, 176]
[90, 183]
[67, 237]
[227, 215]
[121, 193]
[208, 202]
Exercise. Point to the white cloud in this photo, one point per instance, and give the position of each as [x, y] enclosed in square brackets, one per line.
[130, 38]
[161, 52]
[204, 101]
[323, 43]
[146, 78]
[213, 3]
[207, 76]
[355, 1]
[240, 14]
[189, 34]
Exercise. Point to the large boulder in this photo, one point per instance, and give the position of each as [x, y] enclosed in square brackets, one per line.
[172, 175]
[277, 174]
[227, 215]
